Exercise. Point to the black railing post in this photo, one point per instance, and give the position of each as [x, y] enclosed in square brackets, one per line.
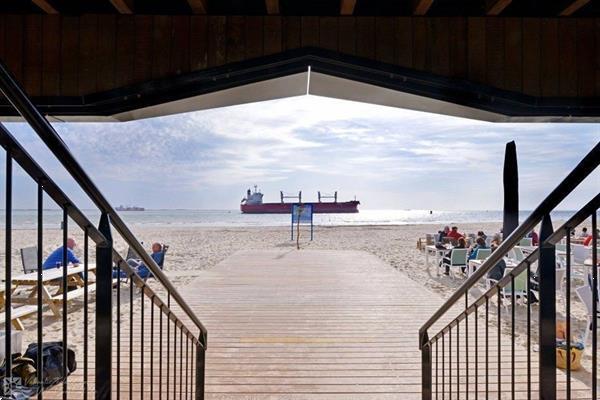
[425, 366]
[547, 323]
[200, 367]
[104, 312]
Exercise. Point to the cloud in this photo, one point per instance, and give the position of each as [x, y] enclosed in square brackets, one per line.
[389, 157]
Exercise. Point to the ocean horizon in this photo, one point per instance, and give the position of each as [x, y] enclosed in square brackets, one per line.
[27, 218]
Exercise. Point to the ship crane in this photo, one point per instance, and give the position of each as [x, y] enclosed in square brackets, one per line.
[326, 196]
[283, 196]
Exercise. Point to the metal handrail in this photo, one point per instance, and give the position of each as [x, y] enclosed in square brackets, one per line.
[33, 169]
[50, 137]
[585, 167]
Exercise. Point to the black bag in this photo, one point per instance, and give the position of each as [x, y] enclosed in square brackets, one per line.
[52, 361]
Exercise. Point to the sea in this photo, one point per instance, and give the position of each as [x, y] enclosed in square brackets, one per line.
[27, 219]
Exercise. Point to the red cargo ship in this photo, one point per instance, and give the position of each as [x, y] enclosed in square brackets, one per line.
[253, 204]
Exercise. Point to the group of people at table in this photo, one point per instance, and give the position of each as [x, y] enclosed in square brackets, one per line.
[459, 241]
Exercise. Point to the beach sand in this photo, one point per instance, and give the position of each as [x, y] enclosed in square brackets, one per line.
[193, 250]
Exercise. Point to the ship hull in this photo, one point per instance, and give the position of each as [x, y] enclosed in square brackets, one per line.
[346, 207]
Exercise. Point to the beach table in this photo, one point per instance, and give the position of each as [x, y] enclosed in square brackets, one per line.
[438, 253]
[52, 278]
[473, 265]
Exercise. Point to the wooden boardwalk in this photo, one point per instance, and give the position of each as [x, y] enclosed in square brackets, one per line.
[287, 324]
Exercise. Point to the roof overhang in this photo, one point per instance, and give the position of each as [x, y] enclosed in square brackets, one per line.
[316, 72]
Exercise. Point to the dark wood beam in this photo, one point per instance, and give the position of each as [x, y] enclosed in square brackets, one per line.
[46, 6]
[197, 6]
[422, 6]
[495, 7]
[347, 7]
[123, 6]
[572, 7]
[272, 7]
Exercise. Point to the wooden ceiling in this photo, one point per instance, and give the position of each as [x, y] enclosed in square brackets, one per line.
[520, 8]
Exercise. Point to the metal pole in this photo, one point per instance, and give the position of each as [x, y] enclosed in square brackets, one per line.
[200, 364]
[425, 367]
[547, 322]
[104, 312]
[511, 190]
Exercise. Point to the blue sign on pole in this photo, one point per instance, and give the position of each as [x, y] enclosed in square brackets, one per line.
[302, 214]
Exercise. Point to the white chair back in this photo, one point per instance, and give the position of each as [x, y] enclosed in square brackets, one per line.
[580, 253]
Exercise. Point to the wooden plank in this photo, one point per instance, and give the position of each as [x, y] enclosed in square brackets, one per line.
[421, 7]
[14, 42]
[45, 6]
[272, 7]
[531, 56]
[142, 68]
[254, 37]
[106, 48]
[217, 46]
[494, 48]
[89, 55]
[235, 38]
[476, 35]
[420, 43]
[587, 50]
[272, 35]
[365, 37]
[162, 41]
[198, 42]
[513, 54]
[328, 33]
[347, 7]
[385, 39]
[439, 46]
[495, 7]
[125, 51]
[458, 46]
[572, 7]
[70, 56]
[180, 53]
[51, 42]
[32, 62]
[310, 31]
[292, 33]
[404, 42]
[123, 6]
[347, 36]
[567, 48]
[197, 6]
[549, 55]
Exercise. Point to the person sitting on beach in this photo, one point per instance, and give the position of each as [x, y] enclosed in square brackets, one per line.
[588, 240]
[454, 234]
[584, 233]
[497, 272]
[479, 244]
[462, 244]
[158, 255]
[535, 239]
[443, 234]
[480, 234]
[55, 258]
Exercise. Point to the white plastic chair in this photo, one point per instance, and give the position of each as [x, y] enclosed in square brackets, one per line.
[482, 254]
[458, 259]
[580, 253]
[585, 295]
[526, 242]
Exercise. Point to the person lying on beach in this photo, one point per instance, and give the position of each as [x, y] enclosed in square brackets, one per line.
[158, 255]
[479, 244]
[55, 258]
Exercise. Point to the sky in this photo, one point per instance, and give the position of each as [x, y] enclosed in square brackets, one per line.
[388, 158]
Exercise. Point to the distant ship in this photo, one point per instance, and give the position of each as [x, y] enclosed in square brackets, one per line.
[129, 208]
[253, 204]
